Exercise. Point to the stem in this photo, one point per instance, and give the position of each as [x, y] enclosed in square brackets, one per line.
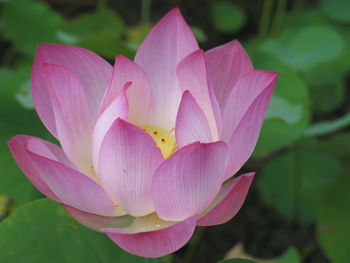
[327, 127]
[145, 11]
[279, 17]
[193, 245]
[265, 20]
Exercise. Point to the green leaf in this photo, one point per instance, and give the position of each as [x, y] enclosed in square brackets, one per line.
[106, 45]
[237, 260]
[4, 206]
[337, 145]
[333, 221]
[290, 256]
[338, 10]
[28, 23]
[24, 97]
[313, 45]
[227, 17]
[89, 24]
[308, 47]
[138, 33]
[59, 238]
[320, 96]
[281, 109]
[294, 183]
[326, 127]
[199, 34]
[277, 133]
[15, 119]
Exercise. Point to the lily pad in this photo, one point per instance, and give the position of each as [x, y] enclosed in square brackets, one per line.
[333, 221]
[295, 183]
[227, 17]
[41, 232]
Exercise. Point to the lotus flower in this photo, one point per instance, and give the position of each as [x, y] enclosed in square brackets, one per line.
[147, 147]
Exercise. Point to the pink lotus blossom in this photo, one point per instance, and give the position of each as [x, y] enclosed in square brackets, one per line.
[146, 146]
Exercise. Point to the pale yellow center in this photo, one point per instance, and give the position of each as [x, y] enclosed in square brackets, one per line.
[164, 140]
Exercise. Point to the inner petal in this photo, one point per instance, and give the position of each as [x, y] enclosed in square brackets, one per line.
[164, 140]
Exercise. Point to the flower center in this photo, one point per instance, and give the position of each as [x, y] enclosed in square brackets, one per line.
[164, 140]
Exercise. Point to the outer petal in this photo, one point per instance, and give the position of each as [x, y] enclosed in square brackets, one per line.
[128, 159]
[189, 180]
[192, 76]
[19, 152]
[228, 202]
[156, 243]
[226, 65]
[71, 187]
[71, 111]
[92, 71]
[244, 138]
[119, 108]
[96, 222]
[191, 124]
[242, 96]
[139, 93]
[166, 45]
[125, 224]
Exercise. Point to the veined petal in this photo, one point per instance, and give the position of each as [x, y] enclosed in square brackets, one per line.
[228, 202]
[124, 224]
[90, 69]
[170, 40]
[119, 108]
[156, 243]
[19, 152]
[70, 186]
[244, 138]
[189, 180]
[139, 93]
[73, 119]
[96, 222]
[246, 90]
[226, 65]
[192, 76]
[191, 123]
[128, 159]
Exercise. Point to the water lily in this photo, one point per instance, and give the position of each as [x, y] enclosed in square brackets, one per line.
[147, 148]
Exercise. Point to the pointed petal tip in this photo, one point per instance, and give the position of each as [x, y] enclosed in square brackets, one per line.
[249, 175]
[174, 12]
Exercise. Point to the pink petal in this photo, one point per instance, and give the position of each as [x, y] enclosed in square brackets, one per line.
[139, 93]
[128, 159]
[226, 65]
[189, 180]
[192, 76]
[244, 138]
[123, 224]
[70, 186]
[117, 109]
[246, 90]
[17, 146]
[147, 223]
[90, 69]
[96, 222]
[228, 201]
[71, 112]
[191, 124]
[156, 243]
[166, 45]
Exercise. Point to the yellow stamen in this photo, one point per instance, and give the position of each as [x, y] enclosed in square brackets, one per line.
[163, 139]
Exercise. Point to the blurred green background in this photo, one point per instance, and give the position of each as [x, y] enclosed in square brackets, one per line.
[299, 207]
